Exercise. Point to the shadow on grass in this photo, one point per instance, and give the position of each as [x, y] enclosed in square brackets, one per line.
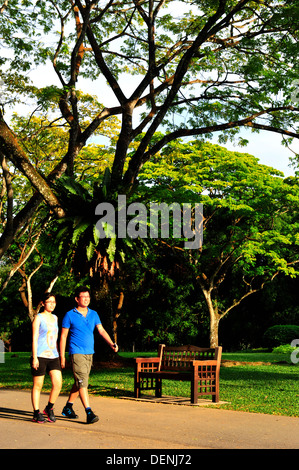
[110, 392]
[259, 373]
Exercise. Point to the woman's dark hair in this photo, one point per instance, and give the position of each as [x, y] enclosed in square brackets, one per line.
[47, 295]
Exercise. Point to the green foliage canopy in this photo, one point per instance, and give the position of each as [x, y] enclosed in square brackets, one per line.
[250, 219]
[203, 68]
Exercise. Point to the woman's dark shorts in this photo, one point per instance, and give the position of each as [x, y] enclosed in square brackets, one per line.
[45, 366]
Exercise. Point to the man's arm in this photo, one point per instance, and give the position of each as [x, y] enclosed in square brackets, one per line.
[106, 337]
[63, 338]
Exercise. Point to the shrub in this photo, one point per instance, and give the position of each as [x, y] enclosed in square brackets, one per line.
[284, 349]
[288, 353]
[280, 334]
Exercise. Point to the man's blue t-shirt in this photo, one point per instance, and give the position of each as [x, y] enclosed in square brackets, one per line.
[81, 339]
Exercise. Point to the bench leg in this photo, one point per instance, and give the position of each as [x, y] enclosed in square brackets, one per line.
[194, 390]
[136, 383]
[158, 388]
[136, 390]
[215, 397]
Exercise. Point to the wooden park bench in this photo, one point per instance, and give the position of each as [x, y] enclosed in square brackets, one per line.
[200, 366]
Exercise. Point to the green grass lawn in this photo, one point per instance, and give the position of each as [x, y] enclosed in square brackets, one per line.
[258, 388]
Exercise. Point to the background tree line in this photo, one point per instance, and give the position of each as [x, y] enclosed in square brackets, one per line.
[250, 238]
[203, 68]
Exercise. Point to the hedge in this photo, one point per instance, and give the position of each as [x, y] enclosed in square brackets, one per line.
[280, 334]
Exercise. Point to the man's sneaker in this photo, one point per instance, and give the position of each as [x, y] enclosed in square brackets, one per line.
[50, 415]
[38, 418]
[91, 417]
[68, 412]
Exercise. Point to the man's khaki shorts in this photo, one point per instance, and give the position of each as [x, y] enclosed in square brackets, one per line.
[81, 368]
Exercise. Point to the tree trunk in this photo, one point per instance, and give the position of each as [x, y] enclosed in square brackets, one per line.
[11, 148]
[214, 318]
[116, 315]
[103, 305]
[214, 328]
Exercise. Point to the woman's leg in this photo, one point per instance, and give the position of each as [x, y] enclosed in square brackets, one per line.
[36, 389]
[56, 379]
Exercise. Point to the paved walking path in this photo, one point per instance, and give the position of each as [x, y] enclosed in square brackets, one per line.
[132, 424]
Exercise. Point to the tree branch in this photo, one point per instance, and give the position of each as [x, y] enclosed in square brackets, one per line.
[10, 147]
[9, 194]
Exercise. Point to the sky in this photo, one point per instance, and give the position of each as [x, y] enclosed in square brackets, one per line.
[267, 147]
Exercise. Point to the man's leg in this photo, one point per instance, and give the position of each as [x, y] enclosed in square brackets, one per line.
[81, 392]
[68, 408]
[74, 393]
[81, 368]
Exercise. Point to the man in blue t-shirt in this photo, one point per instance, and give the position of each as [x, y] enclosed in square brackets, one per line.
[80, 323]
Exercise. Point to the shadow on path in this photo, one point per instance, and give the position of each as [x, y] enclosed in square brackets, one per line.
[22, 415]
[11, 413]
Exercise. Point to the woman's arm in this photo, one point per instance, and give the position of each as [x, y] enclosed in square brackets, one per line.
[63, 338]
[35, 334]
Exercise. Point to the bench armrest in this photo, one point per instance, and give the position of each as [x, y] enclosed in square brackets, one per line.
[208, 362]
[146, 359]
[146, 364]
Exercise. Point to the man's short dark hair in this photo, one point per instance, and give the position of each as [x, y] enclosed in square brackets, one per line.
[81, 289]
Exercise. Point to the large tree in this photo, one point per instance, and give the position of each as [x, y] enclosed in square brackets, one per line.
[250, 222]
[197, 68]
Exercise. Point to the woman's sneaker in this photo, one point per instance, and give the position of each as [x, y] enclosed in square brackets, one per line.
[38, 418]
[68, 412]
[50, 415]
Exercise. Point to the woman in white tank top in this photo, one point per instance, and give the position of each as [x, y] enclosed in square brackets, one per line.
[45, 358]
